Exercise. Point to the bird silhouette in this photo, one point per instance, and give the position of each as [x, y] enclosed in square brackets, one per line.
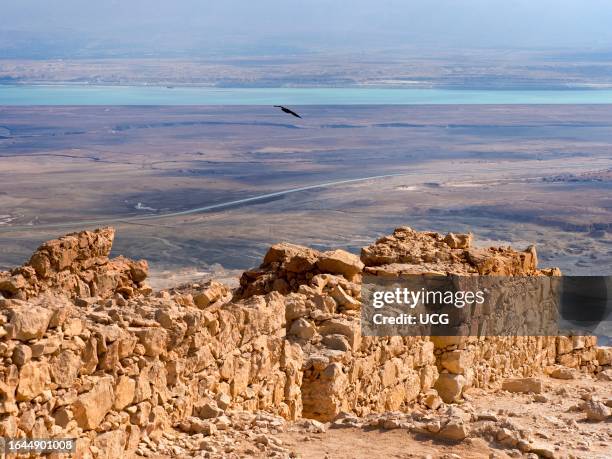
[286, 110]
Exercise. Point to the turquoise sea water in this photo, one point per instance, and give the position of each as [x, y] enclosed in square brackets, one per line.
[149, 95]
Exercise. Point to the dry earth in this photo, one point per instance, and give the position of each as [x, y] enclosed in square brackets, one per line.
[509, 174]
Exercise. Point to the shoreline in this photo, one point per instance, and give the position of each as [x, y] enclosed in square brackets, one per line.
[89, 94]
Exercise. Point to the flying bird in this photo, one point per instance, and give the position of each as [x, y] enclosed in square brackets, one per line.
[286, 110]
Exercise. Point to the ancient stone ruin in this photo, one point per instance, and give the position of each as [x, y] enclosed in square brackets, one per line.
[90, 351]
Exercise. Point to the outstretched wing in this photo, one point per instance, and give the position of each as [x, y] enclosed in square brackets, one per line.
[286, 110]
[291, 112]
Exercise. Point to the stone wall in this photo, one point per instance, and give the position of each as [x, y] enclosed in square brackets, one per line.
[89, 351]
[470, 361]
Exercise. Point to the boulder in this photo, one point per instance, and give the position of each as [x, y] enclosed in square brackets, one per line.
[110, 445]
[22, 354]
[563, 373]
[139, 270]
[65, 368]
[207, 410]
[153, 339]
[343, 299]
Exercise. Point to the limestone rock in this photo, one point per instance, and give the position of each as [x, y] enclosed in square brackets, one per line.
[344, 299]
[29, 322]
[65, 368]
[208, 410]
[293, 258]
[457, 362]
[213, 292]
[604, 355]
[458, 241]
[33, 379]
[596, 411]
[21, 354]
[91, 407]
[302, 328]
[563, 373]
[110, 445]
[523, 385]
[337, 342]
[154, 340]
[124, 392]
[432, 400]
[454, 431]
[340, 262]
[139, 270]
[450, 386]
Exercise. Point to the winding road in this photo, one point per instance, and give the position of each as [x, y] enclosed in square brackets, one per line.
[195, 210]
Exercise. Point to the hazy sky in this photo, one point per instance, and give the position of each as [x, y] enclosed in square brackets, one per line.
[52, 28]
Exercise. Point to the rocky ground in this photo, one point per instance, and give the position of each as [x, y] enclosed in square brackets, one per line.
[278, 367]
[566, 419]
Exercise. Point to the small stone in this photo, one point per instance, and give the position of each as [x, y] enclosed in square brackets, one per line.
[336, 342]
[458, 241]
[523, 385]
[450, 386]
[596, 411]
[542, 450]
[454, 430]
[208, 410]
[21, 354]
[563, 373]
[432, 400]
[302, 328]
[433, 426]
[314, 426]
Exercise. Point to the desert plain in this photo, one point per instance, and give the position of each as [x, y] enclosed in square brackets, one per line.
[509, 174]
